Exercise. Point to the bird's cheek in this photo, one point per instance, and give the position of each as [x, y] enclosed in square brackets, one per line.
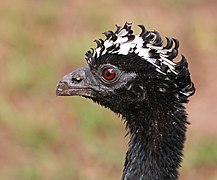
[137, 92]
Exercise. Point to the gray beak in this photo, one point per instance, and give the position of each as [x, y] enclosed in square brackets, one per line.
[77, 83]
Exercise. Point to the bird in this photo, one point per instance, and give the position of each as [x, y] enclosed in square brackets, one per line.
[144, 79]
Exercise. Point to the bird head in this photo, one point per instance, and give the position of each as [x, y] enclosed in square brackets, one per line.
[127, 70]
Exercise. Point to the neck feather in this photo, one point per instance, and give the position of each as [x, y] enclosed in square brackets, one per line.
[156, 142]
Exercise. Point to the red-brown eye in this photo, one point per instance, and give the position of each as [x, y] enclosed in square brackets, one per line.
[109, 74]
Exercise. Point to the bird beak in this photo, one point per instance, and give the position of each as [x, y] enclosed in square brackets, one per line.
[77, 83]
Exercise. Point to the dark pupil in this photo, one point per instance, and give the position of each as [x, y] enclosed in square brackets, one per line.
[109, 74]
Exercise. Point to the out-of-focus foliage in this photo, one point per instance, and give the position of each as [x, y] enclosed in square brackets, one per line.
[45, 137]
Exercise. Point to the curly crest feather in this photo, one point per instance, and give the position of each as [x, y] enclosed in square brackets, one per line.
[149, 46]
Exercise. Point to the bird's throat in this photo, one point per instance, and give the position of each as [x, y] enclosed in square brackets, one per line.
[156, 144]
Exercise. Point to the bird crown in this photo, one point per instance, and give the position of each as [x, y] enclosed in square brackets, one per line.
[149, 46]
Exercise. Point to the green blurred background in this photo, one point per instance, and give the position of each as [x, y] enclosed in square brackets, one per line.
[43, 137]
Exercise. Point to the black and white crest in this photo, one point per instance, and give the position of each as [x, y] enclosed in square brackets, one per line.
[149, 46]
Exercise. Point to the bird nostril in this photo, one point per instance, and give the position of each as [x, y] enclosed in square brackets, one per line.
[76, 79]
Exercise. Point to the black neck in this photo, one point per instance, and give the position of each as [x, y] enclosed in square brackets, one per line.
[156, 143]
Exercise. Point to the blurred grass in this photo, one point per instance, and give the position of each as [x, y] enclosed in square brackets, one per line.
[201, 152]
[44, 137]
[204, 152]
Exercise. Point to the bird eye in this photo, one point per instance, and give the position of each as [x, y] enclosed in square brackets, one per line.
[109, 74]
